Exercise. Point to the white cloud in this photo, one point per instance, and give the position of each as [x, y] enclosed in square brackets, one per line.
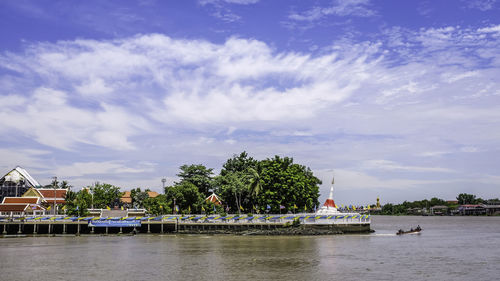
[94, 87]
[12, 101]
[393, 166]
[418, 93]
[26, 158]
[469, 149]
[348, 179]
[491, 29]
[359, 8]
[240, 2]
[222, 11]
[434, 153]
[451, 78]
[49, 118]
[483, 5]
[80, 169]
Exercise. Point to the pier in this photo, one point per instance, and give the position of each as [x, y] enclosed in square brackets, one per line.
[299, 224]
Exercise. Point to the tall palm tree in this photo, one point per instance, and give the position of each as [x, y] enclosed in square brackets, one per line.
[254, 181]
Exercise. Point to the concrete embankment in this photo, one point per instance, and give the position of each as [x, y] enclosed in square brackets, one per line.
[289, 224]
[81, 228]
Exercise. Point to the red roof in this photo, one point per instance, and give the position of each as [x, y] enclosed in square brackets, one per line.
[126, 197]
[13, 207]
[19, 207]
[20, 200]
[153, 194]
[49, 193]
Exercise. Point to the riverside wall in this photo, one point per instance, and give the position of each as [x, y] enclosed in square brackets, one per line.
[292, 225]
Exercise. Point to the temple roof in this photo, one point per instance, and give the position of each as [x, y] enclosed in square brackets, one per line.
[18, 174]
[19, 207]
[21, 200]
[49, 193]
[214, 199]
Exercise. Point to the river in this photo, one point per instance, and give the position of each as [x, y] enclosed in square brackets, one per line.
[449, 248]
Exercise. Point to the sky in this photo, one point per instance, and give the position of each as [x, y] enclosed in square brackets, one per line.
[396, 99]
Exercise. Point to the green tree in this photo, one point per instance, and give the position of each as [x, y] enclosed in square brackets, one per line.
[288, 184]
[158, 205]
[186, 195]
[138, 197]
[78, 203]
[464, 198]
[198, 175]
[239, 163]
[436, 201]
[254, 180]
[387, 209]
[105, 195]
[233, 187]
[58, 184]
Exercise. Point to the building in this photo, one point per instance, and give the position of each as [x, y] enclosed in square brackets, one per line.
[213, 198]
[126, 199]
[472, 210]
[492, 210]
[21, 206]
[35, 201]
[54, 197]
[16, 182]
[439, 210]
[330, 208]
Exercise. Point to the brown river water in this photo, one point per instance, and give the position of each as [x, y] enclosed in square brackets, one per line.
[449, 248]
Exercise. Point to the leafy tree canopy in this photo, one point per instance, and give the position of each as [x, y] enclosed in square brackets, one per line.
[187, 196]
[287, 184]
[464, 198]
[199, 175]
[105, 195]
[238, 163]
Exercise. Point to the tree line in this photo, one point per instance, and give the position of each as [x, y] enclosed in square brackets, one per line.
[244, 184]
[405, 207]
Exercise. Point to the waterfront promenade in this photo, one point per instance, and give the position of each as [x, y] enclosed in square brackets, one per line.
[279, 224]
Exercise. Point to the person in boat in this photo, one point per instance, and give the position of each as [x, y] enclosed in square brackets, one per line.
[400, 231]
[418, 228]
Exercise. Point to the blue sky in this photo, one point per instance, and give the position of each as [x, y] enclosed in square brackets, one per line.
[398, 99]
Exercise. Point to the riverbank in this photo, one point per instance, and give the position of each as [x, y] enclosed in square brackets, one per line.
[193, 224]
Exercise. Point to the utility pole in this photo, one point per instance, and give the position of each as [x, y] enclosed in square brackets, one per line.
[55, 186]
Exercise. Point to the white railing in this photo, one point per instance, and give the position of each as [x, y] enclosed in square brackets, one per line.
[231, 219]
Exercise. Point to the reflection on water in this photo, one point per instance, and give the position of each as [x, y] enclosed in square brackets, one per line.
[450, 248]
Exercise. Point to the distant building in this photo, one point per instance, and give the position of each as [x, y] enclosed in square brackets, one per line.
[439, 210]
[471, 210]
[126, 198]
[16, 182]
[492, 210]
[153, 194]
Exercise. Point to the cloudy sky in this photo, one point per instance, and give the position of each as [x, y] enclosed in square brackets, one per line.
[397, 99]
